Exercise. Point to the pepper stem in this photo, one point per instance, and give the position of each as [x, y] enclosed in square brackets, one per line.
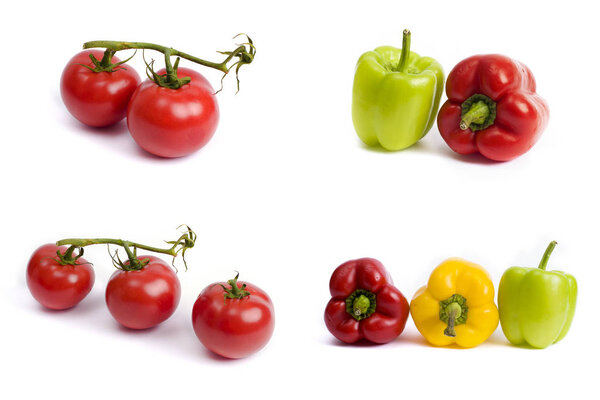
[454, 311]
[361, 304]
[405, 55]
[546, 256]
[477, 114]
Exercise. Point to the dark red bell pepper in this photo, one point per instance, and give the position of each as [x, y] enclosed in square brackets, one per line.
[364, 304]
[492, 108]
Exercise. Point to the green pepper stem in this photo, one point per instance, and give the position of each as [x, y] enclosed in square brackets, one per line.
[405, 55]
[546, 256]
[478, 113]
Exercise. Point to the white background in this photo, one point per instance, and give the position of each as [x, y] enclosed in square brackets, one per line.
[285, 192]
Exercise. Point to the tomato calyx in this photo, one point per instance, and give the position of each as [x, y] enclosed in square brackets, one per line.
[106, 65]
[243, 54]
[133, 263]
[69, 258]
[169, 79]
[361, 304]
[235, 292]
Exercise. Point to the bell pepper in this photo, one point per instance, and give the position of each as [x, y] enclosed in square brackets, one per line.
[456, 306]
[364, 303]
[396, 96]
[492, 108]
[536, 306]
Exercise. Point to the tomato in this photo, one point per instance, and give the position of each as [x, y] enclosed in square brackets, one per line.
[233, 327]
[143, 298]
[54, 285]
[173, 122]
[97, 98]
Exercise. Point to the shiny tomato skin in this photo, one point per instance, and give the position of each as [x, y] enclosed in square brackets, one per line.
[144, 298]
[97, 99]
[233, 328]
[173, 122]
[56, 286]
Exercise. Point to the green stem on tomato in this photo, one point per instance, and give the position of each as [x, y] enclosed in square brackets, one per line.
[186, 241]
[118, 46]
[117, 242]
[244, 53]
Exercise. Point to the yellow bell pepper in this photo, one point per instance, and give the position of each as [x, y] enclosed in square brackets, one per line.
[456, 306]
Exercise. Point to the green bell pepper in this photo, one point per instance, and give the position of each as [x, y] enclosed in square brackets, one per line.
[536, 306]
[396, 96]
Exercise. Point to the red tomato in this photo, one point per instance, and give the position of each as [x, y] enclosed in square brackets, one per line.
[173, 122]
[233, 328]
[144, 298]
[97, 98]
[54, 285]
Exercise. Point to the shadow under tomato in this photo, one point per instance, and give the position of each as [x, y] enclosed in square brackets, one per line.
[90, 304]
[134, 332]
[145, 154]
[215, 357]
[116, 129]
[149, 156]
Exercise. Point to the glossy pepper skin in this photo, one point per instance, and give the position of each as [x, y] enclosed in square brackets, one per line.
[456, 306]
[536, 306]
[364, 304]
[492, 108]
[396, 96]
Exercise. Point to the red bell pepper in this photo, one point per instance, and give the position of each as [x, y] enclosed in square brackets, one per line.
[364, 303]
[492, 108]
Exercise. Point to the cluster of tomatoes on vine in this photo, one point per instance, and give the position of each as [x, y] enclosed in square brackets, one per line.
[171, 114]
[233, 319]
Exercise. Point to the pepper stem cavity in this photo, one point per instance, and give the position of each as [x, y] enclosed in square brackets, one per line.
[477, 112]
[235, 292]
[361, 304]
[546, 256]
[453, 311]
[243, 54]
[186, 241]
[405, 55]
